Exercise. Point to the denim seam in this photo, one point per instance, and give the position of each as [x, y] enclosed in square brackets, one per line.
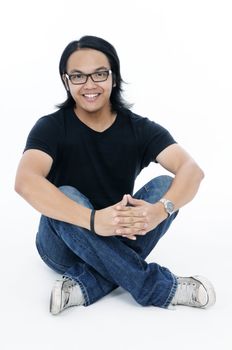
[87, 249]
[83, 288]
[138, 259]
[172, 292]
[54, 262]
[84, 291]
[45, 257]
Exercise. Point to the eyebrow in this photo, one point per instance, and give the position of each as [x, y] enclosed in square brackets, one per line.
[96, 70]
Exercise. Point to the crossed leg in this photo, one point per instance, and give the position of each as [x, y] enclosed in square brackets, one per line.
[100, 264]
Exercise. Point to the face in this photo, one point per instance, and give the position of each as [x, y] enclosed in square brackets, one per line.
[90, 97]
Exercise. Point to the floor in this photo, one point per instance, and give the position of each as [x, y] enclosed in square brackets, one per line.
[191, 246]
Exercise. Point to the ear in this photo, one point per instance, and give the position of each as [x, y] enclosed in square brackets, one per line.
[65, 80]
[114, 80]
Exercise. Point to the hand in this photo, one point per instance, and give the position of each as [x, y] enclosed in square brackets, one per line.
[121, 220]
[153, 214]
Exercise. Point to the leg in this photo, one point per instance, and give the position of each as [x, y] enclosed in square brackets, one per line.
[58, 256]
[194, 291]
[109, 263]
[116, 264]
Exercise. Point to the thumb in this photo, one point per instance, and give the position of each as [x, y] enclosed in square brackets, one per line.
[133, 201]
[124, 200]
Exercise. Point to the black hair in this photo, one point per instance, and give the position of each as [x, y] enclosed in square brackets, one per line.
[99, 44]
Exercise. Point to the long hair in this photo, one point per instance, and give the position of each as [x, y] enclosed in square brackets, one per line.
[99, 44]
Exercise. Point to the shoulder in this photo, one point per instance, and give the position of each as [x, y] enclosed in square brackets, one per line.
[138, 119]
[133, 118]
[145, 124]
[53, 118]
[145, 128]
[47, 133]
[127, 113]
[54, 122]
[49, 127]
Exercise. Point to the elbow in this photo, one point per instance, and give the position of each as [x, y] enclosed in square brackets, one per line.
[199, 173]
[193, 171]
[202, 174]
[20, 186]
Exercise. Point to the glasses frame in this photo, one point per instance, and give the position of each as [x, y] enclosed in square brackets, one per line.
[108, 71]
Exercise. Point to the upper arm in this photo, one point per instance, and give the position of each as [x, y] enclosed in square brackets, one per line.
[34, 162]
[173, 158]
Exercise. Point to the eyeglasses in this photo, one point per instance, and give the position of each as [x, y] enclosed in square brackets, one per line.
[81, 78]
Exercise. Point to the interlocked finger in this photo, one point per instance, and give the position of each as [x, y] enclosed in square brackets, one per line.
[125, 231]
[129, 212]
[130, 221]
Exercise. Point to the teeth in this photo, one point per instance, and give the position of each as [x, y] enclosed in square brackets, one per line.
[90, 95]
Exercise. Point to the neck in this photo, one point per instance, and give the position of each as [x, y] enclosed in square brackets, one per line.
[97, 120]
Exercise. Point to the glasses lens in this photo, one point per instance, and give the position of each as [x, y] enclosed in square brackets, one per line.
[78, 78]
[100, 76]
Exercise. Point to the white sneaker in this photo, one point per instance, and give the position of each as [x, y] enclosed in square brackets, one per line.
[194, 291]
[65, 293]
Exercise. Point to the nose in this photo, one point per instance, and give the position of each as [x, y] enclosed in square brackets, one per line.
[89, 83]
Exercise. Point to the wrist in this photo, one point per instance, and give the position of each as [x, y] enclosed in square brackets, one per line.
[82, 217]
[160, 211]
[168, 205]
[92, 221]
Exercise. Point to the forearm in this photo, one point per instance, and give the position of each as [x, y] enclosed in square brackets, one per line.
[185, 184]
[50, 201]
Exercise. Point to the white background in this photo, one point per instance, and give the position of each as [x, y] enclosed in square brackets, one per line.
[176, 58]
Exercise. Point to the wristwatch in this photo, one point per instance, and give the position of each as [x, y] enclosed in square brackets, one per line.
[168, 206]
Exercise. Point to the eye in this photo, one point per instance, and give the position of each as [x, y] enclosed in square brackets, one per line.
[78, 76]
[100, 74]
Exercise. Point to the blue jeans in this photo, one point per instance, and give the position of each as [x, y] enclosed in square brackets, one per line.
[101, 264]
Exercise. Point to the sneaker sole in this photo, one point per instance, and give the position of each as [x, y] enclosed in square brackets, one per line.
[209, 289]
[56, 296]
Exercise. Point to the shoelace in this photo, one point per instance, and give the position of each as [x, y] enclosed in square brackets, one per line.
[67, 290]
[187, 293]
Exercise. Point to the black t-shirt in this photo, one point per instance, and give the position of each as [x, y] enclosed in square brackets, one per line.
[101, 165]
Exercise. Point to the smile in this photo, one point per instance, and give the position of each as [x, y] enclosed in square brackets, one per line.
[91, 96]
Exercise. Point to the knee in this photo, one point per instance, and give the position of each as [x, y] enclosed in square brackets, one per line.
[163, 181]
[155, 189]
[160, 184]
[68, 189]
[75, 195]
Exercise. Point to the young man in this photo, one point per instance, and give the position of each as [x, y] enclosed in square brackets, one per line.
[78, 170]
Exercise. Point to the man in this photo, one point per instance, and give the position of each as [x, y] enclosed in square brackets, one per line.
[78, 170]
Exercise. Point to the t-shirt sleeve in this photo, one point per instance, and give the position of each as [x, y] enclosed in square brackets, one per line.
[44, 136]
[153, 139]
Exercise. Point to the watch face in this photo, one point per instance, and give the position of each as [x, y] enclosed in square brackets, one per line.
[169, 207]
